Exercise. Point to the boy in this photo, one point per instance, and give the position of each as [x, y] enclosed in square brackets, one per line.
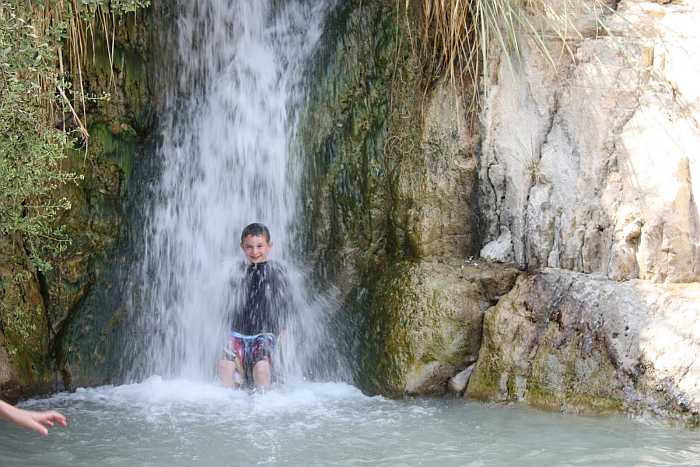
[260, 315]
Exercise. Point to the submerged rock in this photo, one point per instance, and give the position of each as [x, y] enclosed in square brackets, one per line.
[574, 342]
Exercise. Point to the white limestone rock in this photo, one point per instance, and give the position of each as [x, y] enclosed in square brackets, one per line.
[458, 383]
[594, 167]
[580, 343]
[499, 250]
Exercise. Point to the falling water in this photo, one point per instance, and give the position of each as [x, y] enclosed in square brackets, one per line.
[228, 128]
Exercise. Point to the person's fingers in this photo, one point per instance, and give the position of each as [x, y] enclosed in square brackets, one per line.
[38, 427]
[58, 418]
[49, 418]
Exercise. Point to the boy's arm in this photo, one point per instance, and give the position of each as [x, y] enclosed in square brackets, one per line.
[37, 421]
[285, 306]
[284, 302]
[236, 300]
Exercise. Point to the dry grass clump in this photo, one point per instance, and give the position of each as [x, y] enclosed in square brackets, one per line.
[71, 28]
[460, 35]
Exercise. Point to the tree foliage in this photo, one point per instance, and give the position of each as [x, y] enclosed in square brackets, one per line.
[35, 102]
[31, 149]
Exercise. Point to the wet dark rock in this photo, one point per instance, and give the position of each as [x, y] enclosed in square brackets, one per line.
[390, 205]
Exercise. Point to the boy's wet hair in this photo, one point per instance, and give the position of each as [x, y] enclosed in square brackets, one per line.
[256, 230]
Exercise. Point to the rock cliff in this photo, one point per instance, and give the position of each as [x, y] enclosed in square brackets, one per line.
[582, 343]
[38, 309]
[390, 203]
[582, 172]
[592, 168]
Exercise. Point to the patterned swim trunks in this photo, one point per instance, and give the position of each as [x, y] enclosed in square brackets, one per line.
[249, 349]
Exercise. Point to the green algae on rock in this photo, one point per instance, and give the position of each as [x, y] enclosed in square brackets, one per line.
[24, 340]
[389, 212]
[90, 338]
[420, 322]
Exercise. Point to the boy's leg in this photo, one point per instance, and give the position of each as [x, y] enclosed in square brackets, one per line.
[262, 374]
[225, 372]
[262, 354]
[229, 373]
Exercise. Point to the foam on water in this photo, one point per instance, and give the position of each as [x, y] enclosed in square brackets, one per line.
[160, 396]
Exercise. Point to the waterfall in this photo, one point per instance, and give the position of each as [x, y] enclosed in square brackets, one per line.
[227, 133]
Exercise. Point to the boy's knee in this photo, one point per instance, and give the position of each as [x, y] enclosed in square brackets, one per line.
[262, 374]
[230, 373]
[263, 368]
[225, 365]
[263, 365]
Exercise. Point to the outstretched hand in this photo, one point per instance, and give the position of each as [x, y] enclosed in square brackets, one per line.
[41, 421]
[37, 421]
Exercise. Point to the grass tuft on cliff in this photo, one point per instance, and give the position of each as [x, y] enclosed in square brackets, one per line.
[460, 36]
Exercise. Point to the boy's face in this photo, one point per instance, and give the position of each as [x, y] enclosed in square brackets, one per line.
[256, 248]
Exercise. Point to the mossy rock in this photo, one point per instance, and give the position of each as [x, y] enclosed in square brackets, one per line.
[94, 220]
[362, 129]
[419, 323]
[563, 378]
[389, 200]
[25, 365]
[37, 307]
[544, 346]
[120, 83]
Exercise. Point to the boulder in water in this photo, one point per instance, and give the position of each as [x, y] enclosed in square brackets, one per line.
[420, 322]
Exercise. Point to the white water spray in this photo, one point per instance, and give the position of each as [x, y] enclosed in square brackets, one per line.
[227, 135]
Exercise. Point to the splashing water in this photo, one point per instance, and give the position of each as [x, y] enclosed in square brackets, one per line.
[228, 128]
[183, 423]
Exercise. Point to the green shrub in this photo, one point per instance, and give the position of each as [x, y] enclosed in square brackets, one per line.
[41, 48]
[31, 149]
